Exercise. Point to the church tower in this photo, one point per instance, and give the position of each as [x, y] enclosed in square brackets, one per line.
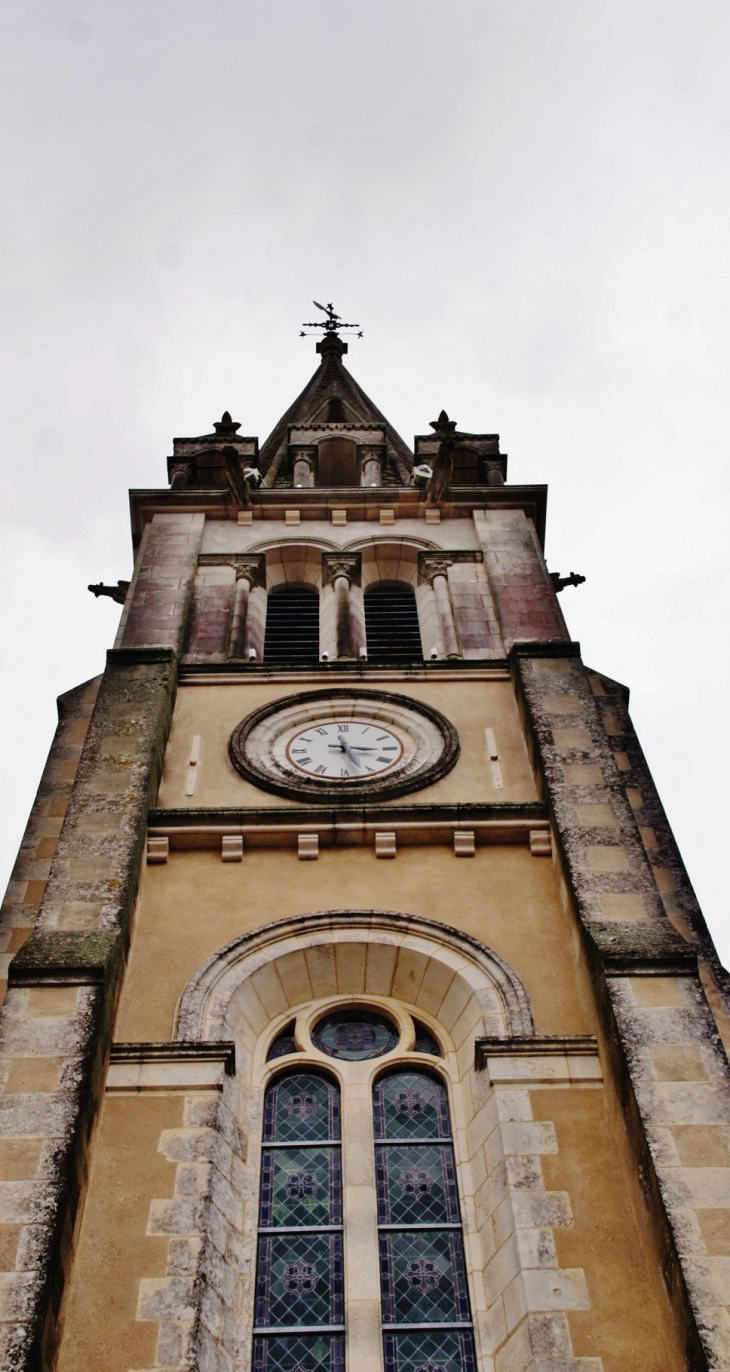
[359, 1011]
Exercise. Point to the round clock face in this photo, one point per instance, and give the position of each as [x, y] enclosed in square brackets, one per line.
[343, 749]
[339, 745]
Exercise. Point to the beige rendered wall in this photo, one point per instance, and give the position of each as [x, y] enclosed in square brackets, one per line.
[503, 896]
[213, 711]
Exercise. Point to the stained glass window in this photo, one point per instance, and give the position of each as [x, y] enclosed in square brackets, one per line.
[425, 1041]
[355, 1035]
[283, 1044]
[299, 1315]
[425, 1301]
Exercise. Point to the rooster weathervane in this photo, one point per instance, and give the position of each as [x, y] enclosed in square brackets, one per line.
[332, 324]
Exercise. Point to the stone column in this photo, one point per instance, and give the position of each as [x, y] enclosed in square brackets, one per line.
[303, 463]
[371, 467]
[181, 474]
[248, 575]
[240, 613]
[340, 571]
[436, 570]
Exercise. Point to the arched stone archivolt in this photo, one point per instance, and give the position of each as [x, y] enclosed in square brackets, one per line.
[449, 977]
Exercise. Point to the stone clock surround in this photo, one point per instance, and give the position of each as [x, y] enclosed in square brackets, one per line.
[252, 747]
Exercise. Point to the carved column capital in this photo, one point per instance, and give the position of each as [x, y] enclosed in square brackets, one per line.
[341, 564]
[431, 565]
[181, 474]
[252, 568]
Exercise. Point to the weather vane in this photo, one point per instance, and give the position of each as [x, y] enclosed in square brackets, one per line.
[332, 324]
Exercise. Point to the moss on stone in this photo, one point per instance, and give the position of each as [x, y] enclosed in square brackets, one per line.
[54, 952]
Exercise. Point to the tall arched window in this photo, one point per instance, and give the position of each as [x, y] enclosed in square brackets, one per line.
[426, 1316]
[292, 626]
[299, 1311]
[391, 624]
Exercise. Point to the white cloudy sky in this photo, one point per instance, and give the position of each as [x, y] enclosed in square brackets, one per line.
[526, 206]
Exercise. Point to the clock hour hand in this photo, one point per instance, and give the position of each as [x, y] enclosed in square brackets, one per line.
[346, 749]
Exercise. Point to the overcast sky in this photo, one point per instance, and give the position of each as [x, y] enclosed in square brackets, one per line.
[524, 203]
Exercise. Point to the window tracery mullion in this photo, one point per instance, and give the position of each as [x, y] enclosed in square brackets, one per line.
[425, 1303]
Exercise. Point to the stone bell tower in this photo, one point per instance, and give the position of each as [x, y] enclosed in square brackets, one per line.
[359, 1011]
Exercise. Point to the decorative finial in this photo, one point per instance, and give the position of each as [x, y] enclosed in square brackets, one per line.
[443, 425]
[332, 325]
[226, 425]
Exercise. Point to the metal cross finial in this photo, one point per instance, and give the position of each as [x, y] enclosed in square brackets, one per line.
[333, 323]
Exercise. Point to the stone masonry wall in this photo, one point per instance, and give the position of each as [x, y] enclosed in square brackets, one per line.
[26, 888]
[668, 1053]
[474, 612]
[156, 612]
[210, 614]
[524, 597]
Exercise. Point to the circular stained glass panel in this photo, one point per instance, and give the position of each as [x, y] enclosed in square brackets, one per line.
[355, 1035]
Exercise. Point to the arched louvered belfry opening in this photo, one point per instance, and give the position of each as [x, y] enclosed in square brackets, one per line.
[292, 626]
[391, 624]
